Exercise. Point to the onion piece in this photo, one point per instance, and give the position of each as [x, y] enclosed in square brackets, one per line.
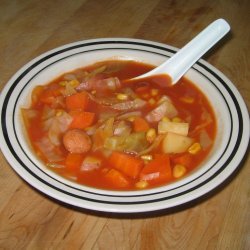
[28, 114]
[102, 133]
[128, 115]
[180, 128]
[122, 128]
[49, 150]
[48, 113]
[165, 108]
[154, 145]
[58, 126]
[90, 163]
[205, 139]
[107, 101]
[129, 105]
[95, 83]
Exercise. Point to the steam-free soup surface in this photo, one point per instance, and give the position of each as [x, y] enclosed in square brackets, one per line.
[92, 127]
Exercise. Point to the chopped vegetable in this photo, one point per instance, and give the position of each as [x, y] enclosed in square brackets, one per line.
[195, 148]
[70, 87]
[128, 165]
[147, 157]
[48, 151]
[151, 135]
[36, 93]
[129, 105]
[184, 159]
[81, 119]
[28, 115]
[174, 143]
[157, 170]
[90, 163]
[122, 128]
[140, 124]
[122, 97]
[117, 179]
[165, 108]
[141, 184]
[59, 124]
[77, 101]
[129, 114]
[134, 143]
[73, 161]
[49, 95]
[179, 170]
[176, 119]
[174, 127]
[153, 146]
[205, 140]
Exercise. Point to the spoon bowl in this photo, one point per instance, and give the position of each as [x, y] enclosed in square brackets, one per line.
[174, 68]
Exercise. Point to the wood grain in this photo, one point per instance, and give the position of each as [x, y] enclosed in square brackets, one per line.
[31, 220]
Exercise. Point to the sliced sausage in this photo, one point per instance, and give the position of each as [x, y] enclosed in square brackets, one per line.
[77, 141]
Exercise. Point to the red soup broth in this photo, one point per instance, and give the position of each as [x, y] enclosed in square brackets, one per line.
[93, 127]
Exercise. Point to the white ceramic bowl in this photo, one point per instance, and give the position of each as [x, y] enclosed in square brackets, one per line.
[229, 147]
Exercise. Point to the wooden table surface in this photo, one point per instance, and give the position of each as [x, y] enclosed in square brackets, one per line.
[31, 220]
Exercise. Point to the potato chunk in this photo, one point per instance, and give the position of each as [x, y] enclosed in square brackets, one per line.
[174, 143]
[180, 128]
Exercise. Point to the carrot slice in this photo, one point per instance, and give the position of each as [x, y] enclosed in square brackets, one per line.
[185, 160]
[140, 124]
[77, 101]
[48, 95]
[158, 170]
[142, 90]
[73, 161]
[117, 179]
[81, 119]
[127, 164]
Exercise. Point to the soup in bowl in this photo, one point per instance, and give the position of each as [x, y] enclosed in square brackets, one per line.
[79, 132]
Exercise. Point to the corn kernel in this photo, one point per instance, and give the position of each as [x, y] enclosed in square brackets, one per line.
[141, 184]
[165, 119]
[151, 101]
[179, 170]
[131, 118]
[62, 83]
[59, 113]
[187, 99]
[176, 119]
[74, 83]
[147, 157]
[122, 97]
[154, 92]
[195, 148]
[151, 135]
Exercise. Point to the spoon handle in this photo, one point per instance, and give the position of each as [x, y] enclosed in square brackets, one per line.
[184, 59]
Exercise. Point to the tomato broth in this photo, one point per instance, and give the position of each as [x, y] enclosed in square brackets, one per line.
[97, 129]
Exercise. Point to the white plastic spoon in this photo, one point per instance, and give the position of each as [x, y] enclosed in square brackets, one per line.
[184, 59]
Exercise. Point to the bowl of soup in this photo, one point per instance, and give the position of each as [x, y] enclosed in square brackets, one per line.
[75, 128]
